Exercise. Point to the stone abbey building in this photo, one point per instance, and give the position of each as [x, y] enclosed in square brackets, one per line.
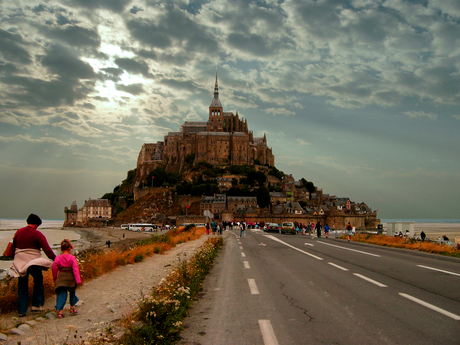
[222, 140]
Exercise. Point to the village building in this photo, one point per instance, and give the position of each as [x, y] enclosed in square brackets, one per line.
[240, 204]
[215, 204]
[224, 182]
[277, 198]
[94, 210]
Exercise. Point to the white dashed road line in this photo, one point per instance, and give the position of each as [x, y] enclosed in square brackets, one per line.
[437, 269]
[430, 306]
[345, 248]
[288, 245]
[370, 280]
[246, 265]
[337, 266]
[243, 255]
[253, 287]
[267, 332]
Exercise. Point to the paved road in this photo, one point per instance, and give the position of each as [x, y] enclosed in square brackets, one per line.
[273, 289]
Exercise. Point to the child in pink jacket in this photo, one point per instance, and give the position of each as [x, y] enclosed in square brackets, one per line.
[66, 277]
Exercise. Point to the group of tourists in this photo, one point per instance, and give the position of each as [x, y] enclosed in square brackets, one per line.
[214, 227]
[26, 249]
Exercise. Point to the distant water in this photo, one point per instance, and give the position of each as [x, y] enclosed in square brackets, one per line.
[422, 220]
[14, 224]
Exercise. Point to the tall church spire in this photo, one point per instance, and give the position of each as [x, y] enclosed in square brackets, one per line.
[215, 103]
[216, 87]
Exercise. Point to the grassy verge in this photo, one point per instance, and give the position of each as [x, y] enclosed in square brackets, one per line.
[159, 316]
[95, 262]
[407, 243]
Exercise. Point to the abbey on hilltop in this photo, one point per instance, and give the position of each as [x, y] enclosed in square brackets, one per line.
[222, 140]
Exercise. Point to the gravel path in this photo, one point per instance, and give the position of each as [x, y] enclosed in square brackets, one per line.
[103, 300]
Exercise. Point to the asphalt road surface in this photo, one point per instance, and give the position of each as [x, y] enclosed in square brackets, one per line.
[274, 289]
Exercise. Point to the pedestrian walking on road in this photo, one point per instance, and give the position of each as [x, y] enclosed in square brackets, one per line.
[213, 227]
[242, 230]
[349, 229]
[318, 228]
[207, 228]
[326, 230]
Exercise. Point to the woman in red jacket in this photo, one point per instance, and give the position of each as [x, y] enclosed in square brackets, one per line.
[28, 242]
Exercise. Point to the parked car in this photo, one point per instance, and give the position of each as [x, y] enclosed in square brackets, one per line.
[273, 227]
[288, 227]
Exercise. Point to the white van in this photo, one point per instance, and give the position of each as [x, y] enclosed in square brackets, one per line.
[124, 226]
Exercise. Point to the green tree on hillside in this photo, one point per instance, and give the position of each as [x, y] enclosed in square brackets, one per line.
[256, 176]
[159, 177]
[308, 185]
[277, 173]
[263, 197]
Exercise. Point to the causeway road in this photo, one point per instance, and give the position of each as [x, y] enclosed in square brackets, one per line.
[271, 289]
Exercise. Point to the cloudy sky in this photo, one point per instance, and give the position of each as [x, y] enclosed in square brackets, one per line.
[362, 97]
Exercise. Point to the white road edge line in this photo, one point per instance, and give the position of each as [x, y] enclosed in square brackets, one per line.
[337, 266]
[344, 248]
[430, 306]
[370, 280]
[267, 332]
[246, 265]
[253, 287]
[243, 255]
[288, 245]
[437, 269]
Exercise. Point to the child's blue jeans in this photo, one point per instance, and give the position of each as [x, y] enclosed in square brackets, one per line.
[61, 297]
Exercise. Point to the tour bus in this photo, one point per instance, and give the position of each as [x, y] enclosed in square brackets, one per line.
[198, 225]
[142, 227]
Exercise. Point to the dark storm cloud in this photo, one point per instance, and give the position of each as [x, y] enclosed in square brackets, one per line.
[179, 85]
[63, 20]
[73, 35]
[38, 93]
[256, 44]
[135, 9]
[321, 17]
[8, 68]
[10, 48]
[133, 89]
[63, 87]
[111, 73]
[147, 54]
[112, 5]
[89, 106]
[62, 62]
[39, 8]
[173, 27]
[134, 67]
[149, 33]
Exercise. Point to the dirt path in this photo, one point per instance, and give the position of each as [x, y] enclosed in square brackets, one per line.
[103, 300]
